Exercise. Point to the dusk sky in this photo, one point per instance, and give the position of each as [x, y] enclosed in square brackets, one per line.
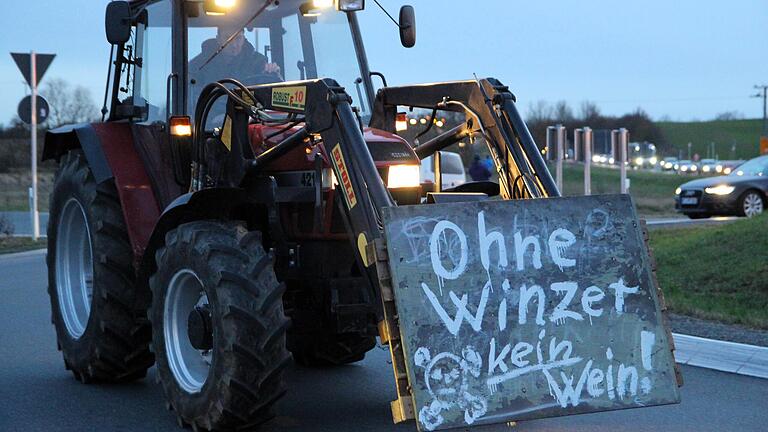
[685, 59]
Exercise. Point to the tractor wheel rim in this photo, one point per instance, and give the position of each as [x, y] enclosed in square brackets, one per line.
[753, 205]
[189, 365]
[74, 268]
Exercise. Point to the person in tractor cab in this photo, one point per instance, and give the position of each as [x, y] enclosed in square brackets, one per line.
[238, 59]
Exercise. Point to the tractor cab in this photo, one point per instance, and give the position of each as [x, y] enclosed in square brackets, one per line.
[175, 48]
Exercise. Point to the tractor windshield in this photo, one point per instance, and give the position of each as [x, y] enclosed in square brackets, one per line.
[280, 44]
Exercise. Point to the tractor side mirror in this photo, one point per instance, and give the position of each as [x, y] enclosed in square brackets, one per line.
[118, 22]
[407, 26]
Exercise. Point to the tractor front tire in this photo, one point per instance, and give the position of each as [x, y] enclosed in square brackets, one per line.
[101, 327]
[219, 329]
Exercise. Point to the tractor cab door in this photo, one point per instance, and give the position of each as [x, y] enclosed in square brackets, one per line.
[155, 88]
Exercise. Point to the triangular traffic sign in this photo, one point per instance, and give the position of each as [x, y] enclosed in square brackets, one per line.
[23, 62]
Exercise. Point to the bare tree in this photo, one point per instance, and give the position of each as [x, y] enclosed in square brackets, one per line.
[68, 105]
[589, 112]
[539, 112]
[563, 112]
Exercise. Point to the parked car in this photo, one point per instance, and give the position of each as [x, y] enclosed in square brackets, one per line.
[743, 192]
[452, 170]
[687, 167]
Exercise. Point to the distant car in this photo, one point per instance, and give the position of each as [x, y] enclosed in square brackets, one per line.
[668, 163]
[709, 166]
[452, 170]
[742, 193]
[726, 167]
[602, 159]
[687, 167]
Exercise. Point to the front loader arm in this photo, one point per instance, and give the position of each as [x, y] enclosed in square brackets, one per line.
[522, 171]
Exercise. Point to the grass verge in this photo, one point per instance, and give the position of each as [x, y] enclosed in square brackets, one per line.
[20, 244]
[716, 273]
[653, 192]
[744, 135]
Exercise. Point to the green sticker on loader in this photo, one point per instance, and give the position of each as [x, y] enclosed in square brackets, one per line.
[513, 310]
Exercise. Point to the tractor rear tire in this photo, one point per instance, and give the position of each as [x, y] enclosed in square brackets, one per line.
[223, 371]
[101, 326]
[330, 349]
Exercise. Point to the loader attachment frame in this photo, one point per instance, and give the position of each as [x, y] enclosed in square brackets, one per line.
[325, 111]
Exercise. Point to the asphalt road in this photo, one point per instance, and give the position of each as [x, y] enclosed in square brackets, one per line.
[37, 394]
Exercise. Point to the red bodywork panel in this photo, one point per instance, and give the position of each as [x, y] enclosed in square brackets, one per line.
[140, 208]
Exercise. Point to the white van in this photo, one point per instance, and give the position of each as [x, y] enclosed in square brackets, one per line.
[452, 170]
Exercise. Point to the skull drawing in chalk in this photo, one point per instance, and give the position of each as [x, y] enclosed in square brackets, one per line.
[447, 377]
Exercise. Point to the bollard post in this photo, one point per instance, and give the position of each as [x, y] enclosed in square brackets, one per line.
[550, 151]
[588, 141]
[623, 141]
[559, 161]
[578, 136]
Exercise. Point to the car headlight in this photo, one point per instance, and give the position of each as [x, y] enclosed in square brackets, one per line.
[678, 190]
[705, 168]
[719, 190]
[652, 161]
[727, 170]
[694, 167]
[402, 176]
[639, 161]
[684, 168]
[719, 168]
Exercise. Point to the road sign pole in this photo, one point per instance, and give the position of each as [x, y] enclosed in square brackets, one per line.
[33, 126]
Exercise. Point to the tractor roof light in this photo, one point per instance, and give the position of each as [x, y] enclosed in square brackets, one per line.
[350, 5]
[309, 10]
[218, 7]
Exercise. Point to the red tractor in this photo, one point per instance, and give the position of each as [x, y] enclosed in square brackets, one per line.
[222, 219]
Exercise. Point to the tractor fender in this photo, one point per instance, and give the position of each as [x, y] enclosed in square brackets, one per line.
[111, 154]
[65, 138]
[256, 207]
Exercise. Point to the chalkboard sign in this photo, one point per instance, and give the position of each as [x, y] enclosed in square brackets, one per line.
[512, 310]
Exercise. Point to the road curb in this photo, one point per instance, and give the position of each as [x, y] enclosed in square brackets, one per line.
[33, 252]
[738, 358]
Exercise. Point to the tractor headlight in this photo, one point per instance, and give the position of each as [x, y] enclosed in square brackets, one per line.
[350, 5]
[719, 190]
[402, 176]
